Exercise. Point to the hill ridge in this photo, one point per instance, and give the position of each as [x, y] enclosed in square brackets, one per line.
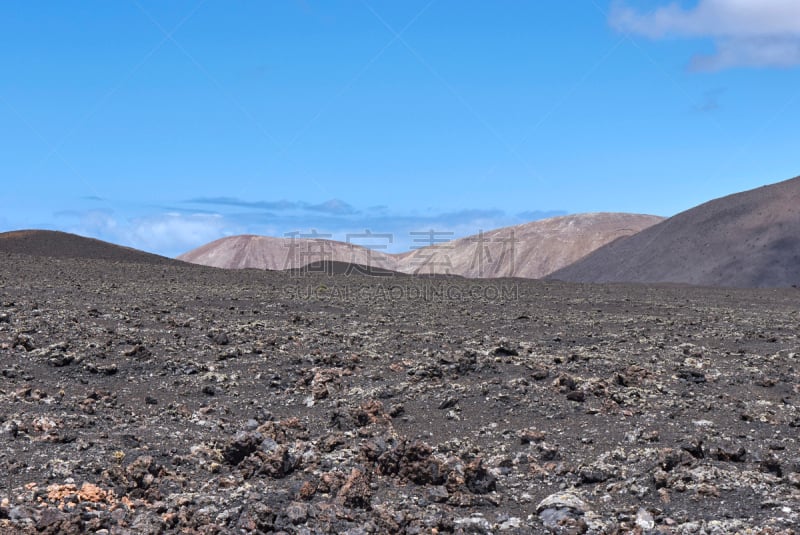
[58, 244]
[538, 248]
[744, 239]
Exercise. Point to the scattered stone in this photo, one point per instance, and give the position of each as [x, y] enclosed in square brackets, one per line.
[221, 339]
[10, 429]
[526, 436]
[563, 512]
[297, 512]
[577, 395]
[692, 376]
[478, 479]
[438, 494]
[730, 454]
[503, 351]
[241, 446]
[771, 464]
[694, 447]
[474, 524]
[356, 491]
[644, 520]
[540, 374]
[448, 403]
[371, 416]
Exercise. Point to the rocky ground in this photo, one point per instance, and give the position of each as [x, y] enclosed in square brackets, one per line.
[166, 398]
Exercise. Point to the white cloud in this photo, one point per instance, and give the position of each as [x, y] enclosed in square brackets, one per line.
[747, 33]
[168, 234]
[175, 233]
[766, 52]
[94, 223]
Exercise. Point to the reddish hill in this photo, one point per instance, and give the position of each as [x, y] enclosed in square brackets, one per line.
[264, 252]
[749, 239]
[532, 250]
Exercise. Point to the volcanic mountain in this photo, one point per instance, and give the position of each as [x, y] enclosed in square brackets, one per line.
[531, 250]
[55, 244]
[749, 239]
[264, 252]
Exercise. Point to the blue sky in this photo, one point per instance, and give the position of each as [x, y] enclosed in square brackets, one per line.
[164, 125]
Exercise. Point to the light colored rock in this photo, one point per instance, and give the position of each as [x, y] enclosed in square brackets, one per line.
[644, 519]
[563, 500]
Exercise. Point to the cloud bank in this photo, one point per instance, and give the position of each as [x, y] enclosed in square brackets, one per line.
[746, 33]
[167, 234]
[173, 231]
[332, 206]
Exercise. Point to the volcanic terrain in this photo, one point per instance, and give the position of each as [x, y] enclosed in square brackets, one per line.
[174, 398]
[265, 252]
[750, 239]
[56, 244]
[531, 250]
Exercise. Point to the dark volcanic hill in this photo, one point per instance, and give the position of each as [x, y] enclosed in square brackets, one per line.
[749, 239]
[57, 244]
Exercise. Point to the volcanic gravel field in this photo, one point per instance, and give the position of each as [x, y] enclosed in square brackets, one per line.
[172, 398]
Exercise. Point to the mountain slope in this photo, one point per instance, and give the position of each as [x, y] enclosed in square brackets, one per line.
[56, 244]
[532, 250]
[749, 239]
[265, 252]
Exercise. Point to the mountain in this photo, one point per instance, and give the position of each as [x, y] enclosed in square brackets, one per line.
[55, 244]
[749, 239]
[264, 252]
[531, 250]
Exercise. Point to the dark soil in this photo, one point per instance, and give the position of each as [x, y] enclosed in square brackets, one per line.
[141, 398]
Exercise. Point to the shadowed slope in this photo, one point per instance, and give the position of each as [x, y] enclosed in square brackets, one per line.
[532, 250]
[55, 244]
[333, 267]
[749, 239]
